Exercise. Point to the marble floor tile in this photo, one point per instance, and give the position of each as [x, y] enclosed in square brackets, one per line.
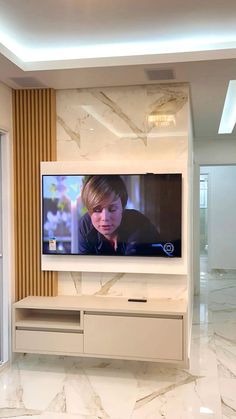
[228, 396]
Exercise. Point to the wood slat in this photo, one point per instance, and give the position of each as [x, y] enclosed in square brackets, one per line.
[34, 140]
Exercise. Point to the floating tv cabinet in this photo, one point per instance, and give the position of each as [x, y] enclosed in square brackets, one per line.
[102, 327]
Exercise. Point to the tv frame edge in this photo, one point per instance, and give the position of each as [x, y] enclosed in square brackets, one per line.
[148, 265]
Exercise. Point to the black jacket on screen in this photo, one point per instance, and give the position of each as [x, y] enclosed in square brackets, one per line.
[136, 236]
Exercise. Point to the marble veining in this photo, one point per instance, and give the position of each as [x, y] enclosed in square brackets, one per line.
[89, 388]
[112, 121]
[105, 99]
[104, 290]
[70, 283]
[74, 136]
[170, 101]
[123, 285]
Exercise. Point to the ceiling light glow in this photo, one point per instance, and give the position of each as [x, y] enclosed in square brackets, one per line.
[206, 410]
[189, 44]
[228, 118]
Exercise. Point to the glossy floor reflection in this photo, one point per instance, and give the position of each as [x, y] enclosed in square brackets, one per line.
[71, 388]
[215, 317]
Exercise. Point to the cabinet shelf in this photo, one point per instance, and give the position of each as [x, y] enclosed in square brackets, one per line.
[48, 319]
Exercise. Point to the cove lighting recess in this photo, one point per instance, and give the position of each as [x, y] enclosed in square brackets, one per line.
[28, 53]
[228, 118]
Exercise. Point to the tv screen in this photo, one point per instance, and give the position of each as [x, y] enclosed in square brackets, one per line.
[122, 215]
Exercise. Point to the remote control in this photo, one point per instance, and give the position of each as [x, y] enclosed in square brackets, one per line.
[137, 300]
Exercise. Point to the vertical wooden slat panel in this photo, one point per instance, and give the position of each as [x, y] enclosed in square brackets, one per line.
[33, 169]
[36, 159]
[16, 166]
[35, 107]
[26, 195]
[45, 152]
[22, 188]
[32, 182]
[41, 153]
[34, 122]
[38, 150]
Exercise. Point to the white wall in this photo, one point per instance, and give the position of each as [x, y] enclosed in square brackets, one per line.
[5, 108]
[221, 216]
[216, 151]
[7, 208]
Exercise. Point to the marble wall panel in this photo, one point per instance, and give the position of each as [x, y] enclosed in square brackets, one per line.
[111, 124]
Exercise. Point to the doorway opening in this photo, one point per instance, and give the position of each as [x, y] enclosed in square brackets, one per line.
[217, 218]
[203, 219]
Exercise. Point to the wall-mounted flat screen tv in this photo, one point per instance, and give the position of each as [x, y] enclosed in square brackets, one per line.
[118, 215]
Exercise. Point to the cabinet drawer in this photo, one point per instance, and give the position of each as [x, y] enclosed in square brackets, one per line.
[134, 337]
[48, 342]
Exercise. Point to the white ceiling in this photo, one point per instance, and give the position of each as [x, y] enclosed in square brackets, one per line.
[86, 43]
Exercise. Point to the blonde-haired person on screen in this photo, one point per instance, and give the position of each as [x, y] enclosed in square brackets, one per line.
[108, 228]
